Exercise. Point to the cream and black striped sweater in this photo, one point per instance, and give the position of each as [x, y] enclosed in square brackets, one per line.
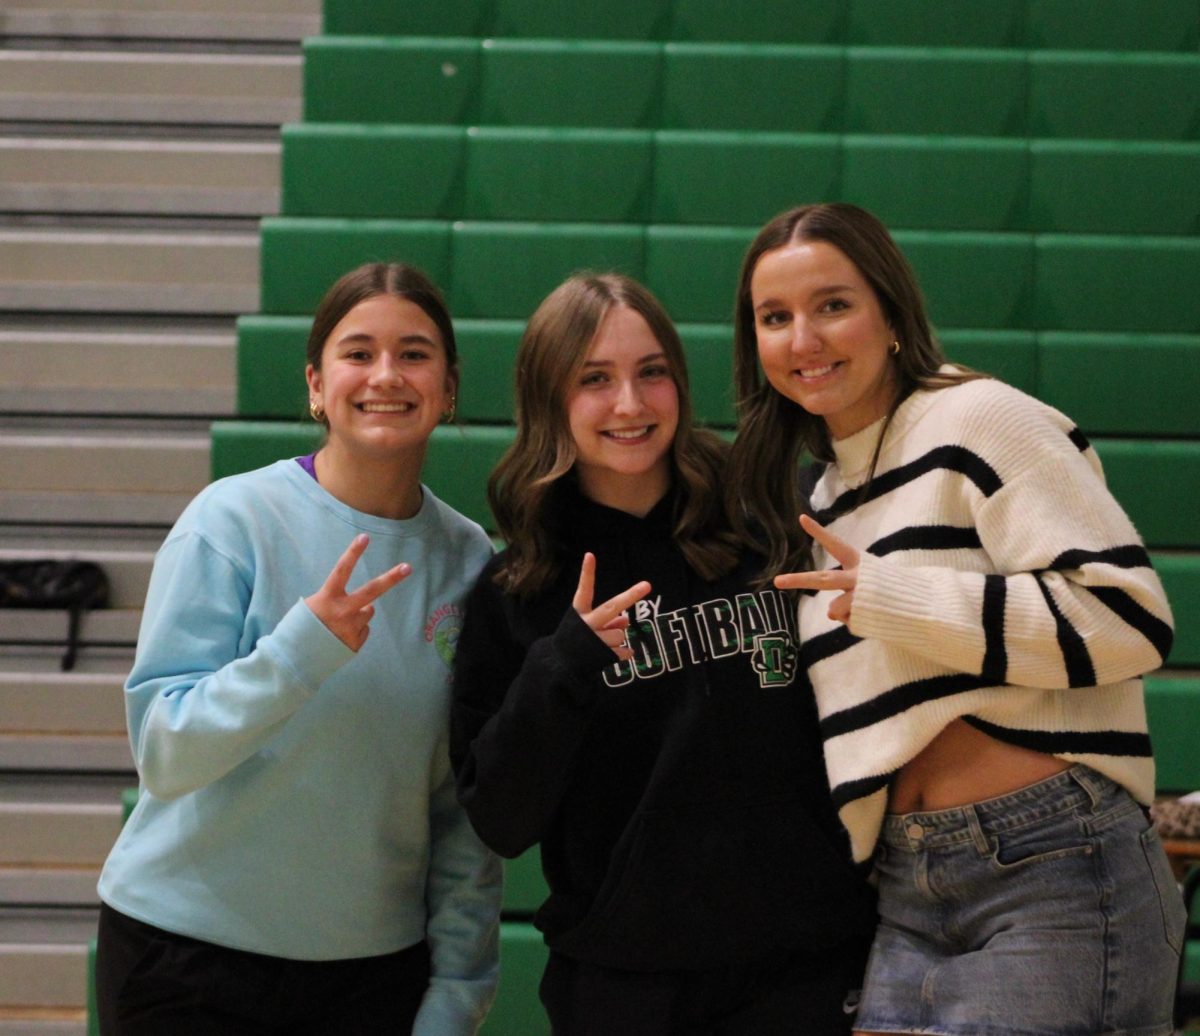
[1000, 582]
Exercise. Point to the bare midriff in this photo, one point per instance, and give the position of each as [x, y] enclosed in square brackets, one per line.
[963, 765]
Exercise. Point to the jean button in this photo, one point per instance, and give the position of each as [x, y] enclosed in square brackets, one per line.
[915, 831]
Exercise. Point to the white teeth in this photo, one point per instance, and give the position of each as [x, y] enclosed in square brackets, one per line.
[816, 372]
[627, 433]
[385, 408]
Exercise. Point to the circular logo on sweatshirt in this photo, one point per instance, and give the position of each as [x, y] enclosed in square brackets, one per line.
[442, 629]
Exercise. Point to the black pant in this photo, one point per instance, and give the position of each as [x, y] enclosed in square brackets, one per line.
[155, 983]
[799, 994]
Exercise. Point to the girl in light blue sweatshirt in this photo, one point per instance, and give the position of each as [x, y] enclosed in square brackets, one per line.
[297, 862]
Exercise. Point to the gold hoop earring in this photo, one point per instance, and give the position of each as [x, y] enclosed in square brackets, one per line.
[315, 410]
[448, 416]
[894, 348]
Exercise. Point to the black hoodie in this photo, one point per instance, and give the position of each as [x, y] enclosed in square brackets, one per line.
[680, 799]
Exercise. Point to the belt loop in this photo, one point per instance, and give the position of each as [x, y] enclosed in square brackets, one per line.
[1086, 778]
[976, 829]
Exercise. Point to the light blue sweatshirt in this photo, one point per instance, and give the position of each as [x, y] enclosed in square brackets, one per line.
[296, 798]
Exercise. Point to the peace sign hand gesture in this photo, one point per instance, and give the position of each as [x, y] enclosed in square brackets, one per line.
[348, 614]
[844, 579]
[608, 620]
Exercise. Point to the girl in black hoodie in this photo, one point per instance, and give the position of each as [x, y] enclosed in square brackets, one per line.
[627, 695]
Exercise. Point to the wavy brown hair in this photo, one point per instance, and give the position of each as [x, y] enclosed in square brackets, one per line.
[551, 355]
[763, 491]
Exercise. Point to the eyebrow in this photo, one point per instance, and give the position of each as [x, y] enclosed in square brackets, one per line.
[832, 289]
[609, 363]
[362, 336]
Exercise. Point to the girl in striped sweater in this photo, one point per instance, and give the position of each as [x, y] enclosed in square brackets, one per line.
[977, 614]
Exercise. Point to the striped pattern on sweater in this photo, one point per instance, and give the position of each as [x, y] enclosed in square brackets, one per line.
[1000, 582]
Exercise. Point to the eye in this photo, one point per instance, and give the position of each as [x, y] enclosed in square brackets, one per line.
[834, 305]
[773, 318]
[656, 370]
[594, 378]
[415, 354]
[358, 353]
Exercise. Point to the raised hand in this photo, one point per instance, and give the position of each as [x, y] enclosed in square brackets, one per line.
[608, 620]
[844, 579]
[348, 614]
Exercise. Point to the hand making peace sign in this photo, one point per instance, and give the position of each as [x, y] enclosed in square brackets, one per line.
[608, 620]
[844, 578]
[348, 614]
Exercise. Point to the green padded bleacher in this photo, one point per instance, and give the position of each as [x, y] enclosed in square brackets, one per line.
[1011, 356]
[693, 270]
[1180, 573]
[593, 83]
[406, 80]
[747, 87]
[1122, 384]
[935, 183]
[575, 175]
[517, 1010]
[1173, 711]
[1117, 283]
[1112, 24]
[1114, 96]
[739, 178]
[1114, 187]
[936, 23]
[1158, 484]
[401, 172]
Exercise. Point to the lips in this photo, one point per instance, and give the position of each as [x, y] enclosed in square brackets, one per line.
[374, 407]
[817, 372]
[628, 434]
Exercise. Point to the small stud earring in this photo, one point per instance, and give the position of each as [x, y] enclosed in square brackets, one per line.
[894, 348]
[448, 415]
[316, 410]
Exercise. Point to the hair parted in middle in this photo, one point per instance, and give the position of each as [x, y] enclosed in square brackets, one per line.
[774, 433]
[549, 360]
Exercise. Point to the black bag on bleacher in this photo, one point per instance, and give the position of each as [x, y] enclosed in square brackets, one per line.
[74, 586]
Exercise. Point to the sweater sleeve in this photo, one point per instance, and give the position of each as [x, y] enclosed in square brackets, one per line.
[518, 719]
[196, 703]
[463, 897]
[1071, 599]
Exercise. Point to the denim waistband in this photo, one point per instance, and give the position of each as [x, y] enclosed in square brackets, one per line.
[1066, 791]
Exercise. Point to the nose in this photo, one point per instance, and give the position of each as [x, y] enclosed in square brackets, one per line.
[804, 336]
[629, 398]
[385, 370]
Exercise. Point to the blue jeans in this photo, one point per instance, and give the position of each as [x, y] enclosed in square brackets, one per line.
[1050, 911]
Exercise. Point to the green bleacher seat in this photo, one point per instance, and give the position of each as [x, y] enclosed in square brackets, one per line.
[1115, 187]
[301, 258]
[487, 352]
[579, 175]
[396, 80]
[925, 91]
[758, 21]
[1113, 24]
[709, 351]
[517, 1010]
[938, 183]
[506, 269]
[1158, 483]
[270, 366]
[1117, 283]
[1122, 384]
[583, 83]
[973, 279]
[1180, 574]
[1173, 711]
[694, 270]
[1011, 356]
[444, 18]
[1114, 96]
[524, 884]
[613, 19]
[457, 464]
[357, 170]
[793, 89]
[694, 172]
[935, 23]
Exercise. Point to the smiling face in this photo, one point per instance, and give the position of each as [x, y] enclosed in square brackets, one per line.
[384, 381]
[622, 412]
[822, 336]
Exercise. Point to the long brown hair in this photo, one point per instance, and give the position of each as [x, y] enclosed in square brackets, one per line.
[763, 489]
[551, 354]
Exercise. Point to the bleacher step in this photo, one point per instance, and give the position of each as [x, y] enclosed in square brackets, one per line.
[43, 957]
[107, 270]
[140, 176]
[149, 87]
